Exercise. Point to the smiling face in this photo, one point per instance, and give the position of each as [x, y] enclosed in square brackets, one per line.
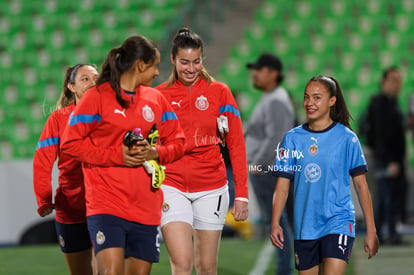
[85, 78]
[317, 103]
[188, 64]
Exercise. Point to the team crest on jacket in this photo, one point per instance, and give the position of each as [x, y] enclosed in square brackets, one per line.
[100, 237]
[201, 103]
[148, 114]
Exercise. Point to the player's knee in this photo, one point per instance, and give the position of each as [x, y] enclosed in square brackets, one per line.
[182, 265]
[111, 270]
[206, 268]
[182, 269]
[209, 271]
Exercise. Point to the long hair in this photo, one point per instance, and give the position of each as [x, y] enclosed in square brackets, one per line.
[339, 111]
[67, 97]
[120, 60]
[186, 39]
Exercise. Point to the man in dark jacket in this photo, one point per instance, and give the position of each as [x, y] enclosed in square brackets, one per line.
[388, 145]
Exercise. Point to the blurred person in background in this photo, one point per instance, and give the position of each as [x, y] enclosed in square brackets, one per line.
[407, 216]
[387, 140]
[69, 202]
[196, 197]
[123, 206]
[319, 157]
[271, 118]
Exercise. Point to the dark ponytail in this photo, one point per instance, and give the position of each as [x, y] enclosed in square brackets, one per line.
[120, 60]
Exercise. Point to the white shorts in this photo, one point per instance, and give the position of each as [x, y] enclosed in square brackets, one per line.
[202, 210]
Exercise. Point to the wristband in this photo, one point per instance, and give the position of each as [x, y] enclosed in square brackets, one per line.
[242, 199]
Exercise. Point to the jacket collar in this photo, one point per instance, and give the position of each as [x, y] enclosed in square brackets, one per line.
[199, 83]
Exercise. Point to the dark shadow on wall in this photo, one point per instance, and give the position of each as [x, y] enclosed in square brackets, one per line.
[40, 233]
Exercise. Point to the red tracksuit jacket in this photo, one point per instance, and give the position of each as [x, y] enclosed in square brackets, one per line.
[94, 136]
[70, 195]
[202, 167]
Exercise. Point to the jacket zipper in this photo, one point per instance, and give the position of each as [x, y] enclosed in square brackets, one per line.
[191, 124]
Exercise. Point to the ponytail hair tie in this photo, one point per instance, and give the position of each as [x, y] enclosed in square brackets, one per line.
[119, 52]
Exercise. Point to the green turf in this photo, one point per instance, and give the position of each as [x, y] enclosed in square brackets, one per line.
[237, 257]
[389, 260]
[32, 260]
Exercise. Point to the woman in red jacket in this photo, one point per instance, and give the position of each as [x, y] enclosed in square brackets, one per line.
[123, 207]
[196, 195]
[69, 202]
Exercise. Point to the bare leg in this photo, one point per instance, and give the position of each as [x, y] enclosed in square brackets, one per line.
[311, 271]
[134, 266]
[206, 248]
[110, 261]
[79, 262]
[333, 266]
[178, 238]
[94, 263]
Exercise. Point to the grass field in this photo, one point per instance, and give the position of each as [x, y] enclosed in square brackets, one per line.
[398, 260]
[237, 257]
